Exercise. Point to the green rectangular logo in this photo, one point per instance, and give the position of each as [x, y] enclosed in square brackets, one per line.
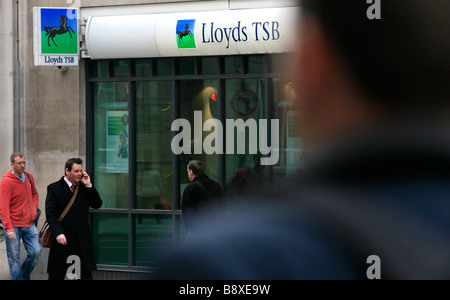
[185, 34]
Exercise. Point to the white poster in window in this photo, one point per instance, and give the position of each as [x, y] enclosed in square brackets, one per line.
[117, 142]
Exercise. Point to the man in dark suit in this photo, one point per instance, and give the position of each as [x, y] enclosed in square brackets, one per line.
[73, 233]
[201, 194]
[373, 99]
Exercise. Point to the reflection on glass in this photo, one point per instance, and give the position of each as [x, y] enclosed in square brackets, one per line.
[293, 154]
[210, 66]
[111, 148]
[152, 192]
[198, 96]
[121, 68]
[143, 67]
[185, 66]
[110, 236]
[154, 136]
[153, 238]
[164, 67]
[256, 64]
[233, 65]
[244, 100]
[99, 69]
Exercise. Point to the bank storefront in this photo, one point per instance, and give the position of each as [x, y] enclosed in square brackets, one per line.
[161, 90]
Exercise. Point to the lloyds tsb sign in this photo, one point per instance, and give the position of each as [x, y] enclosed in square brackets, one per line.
[226, 32]
[55, 36]
[240, 32]
[262, 31]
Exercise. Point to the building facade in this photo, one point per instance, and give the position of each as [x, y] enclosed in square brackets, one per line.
[158, 83]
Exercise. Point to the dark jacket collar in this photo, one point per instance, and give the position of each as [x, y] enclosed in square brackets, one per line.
[201, 176]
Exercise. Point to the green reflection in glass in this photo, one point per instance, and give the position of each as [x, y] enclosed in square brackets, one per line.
[110, 237]
[154, 235]
[110, 156]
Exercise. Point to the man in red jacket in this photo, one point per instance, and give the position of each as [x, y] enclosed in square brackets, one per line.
[18, 210]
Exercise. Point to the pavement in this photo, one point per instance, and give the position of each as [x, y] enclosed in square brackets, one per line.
[39, 272]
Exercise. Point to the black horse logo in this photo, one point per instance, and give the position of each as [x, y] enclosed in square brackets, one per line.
[62, 29]
[182, 34]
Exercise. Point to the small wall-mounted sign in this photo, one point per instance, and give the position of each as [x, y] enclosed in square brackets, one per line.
[56, 36]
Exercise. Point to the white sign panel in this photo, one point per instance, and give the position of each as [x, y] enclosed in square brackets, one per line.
[226, 33]
[55, 36]
[231, 32]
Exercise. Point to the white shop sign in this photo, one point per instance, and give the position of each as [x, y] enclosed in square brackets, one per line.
[231, 32]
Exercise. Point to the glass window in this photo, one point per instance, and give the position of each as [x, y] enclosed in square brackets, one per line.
[99, 69]
[110, 236]
[153, 238]
[210, 65]
[278, 63]
[244, 102]
[141, 216]
[143, 67]
[256, 64]
[163, 67]
[121, 68]
[292, 150]
[186, 66]
[153, 145]
[233, 64]
[111, 137]
[198, 103]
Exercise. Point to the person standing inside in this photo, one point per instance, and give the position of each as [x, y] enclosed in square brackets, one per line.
[73, 233]
[199, 196]
[18, 210]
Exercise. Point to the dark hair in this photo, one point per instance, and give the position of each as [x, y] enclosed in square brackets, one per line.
[71, 162]
[196, 166]
[402, 58]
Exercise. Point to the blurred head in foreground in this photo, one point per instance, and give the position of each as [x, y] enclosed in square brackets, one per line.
[373, 98]
[353, 72]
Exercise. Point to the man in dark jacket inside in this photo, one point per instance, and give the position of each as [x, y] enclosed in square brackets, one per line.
[199, 196]
[373, 91]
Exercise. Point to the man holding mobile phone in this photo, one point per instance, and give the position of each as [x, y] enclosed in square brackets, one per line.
[72, 234]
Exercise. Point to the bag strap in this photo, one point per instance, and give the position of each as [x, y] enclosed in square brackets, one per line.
[204, 189]
[69, 205]
[29, 178]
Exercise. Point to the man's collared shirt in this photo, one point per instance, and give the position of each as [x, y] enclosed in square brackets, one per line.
[21, 178]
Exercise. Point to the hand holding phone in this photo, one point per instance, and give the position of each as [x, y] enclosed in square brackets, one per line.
[86, 180]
